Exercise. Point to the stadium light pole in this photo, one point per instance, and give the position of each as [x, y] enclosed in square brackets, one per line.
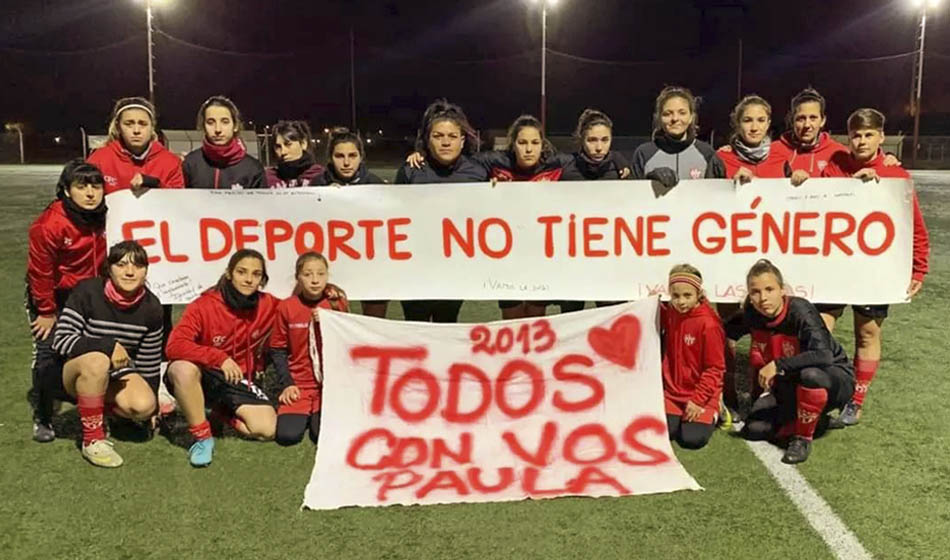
[545, 4]
[918, 78]
[149, 28]
[18, 128]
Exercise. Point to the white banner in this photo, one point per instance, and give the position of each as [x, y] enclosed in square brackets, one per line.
[836, 240]
[416, 413]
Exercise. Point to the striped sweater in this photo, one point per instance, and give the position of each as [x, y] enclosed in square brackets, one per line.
[89, 323]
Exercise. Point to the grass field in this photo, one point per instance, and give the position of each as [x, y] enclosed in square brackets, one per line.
[887, 479]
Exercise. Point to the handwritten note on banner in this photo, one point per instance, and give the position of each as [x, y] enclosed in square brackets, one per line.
[417, 413]
[604, 240]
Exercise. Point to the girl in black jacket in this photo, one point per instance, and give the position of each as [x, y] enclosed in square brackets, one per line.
[442, 140]
[801, 370]
[346, 163]
[222, 161]
[594, 160]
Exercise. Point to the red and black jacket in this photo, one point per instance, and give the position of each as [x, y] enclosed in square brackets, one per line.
[693, 355]
[795, 339]
[61, 254]
[843, 164]
[159, 167]
[210, 331]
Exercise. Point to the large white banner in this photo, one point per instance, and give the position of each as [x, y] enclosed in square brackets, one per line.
[417, 413]
[836, 240]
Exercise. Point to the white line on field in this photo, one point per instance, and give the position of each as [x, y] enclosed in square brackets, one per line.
[842, 542]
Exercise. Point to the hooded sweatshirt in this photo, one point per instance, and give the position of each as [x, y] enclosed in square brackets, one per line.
[693, 356]
[211, 331]
[812, 159]
[158, 166]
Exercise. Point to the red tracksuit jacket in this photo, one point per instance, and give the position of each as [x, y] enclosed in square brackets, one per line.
[772, 167]
[843, 164]
[813, 160]
[118, 166]
[61, 254]
[693, 357]
[210, 332]
[292, 333]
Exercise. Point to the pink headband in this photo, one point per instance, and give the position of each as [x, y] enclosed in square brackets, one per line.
[691, 279]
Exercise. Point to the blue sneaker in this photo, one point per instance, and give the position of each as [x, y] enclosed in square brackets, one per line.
[200, 453]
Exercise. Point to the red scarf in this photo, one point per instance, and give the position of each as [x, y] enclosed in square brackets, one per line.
[121, 300]
[224, 156]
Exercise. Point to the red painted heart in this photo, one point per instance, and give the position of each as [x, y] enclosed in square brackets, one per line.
[617, 344]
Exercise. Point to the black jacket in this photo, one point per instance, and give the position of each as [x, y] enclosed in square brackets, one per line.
[579, 167]
[362, 177]
[799, 321]
[464, 170]
[201, 173]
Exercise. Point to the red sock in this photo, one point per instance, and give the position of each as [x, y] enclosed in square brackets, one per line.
[90, 414]
[864, 371]
[201, 431]
[811, 403]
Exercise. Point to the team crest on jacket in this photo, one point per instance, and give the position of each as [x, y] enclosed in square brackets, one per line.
[822, 164]
[111, 180]
[695, 173]
[788, 349]
[689, 339]
[218, 340]
[67, 241]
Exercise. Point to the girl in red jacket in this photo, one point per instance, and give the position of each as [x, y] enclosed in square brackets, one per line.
[693, 359]
[217, 350]
[750, 152]
[865, 161]
[297, 348]
[66, 244]
[134, 158]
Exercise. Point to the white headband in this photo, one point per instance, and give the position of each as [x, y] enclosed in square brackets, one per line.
[137, 106]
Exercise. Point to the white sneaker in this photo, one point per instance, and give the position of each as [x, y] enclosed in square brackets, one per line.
[101, 454]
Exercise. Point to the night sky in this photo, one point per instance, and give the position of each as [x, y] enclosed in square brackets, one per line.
[482, 54]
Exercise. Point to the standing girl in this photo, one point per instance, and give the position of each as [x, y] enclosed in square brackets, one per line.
[217, 351]
[801, 370]
[442, 140]
[675, 154]
[110, 336]
[296, 165]
[693, 359]
[297, 349]
[133, 157]
[67, 245]
[749, 153]
[865, 161]
[594, 160]
[222, 162]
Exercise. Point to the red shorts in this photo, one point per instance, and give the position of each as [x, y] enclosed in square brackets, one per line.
[308, 402]
[709, 416]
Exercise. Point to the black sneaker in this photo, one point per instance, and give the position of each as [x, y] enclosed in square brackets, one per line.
[798, 450]
[850, 416]
[43, 431]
